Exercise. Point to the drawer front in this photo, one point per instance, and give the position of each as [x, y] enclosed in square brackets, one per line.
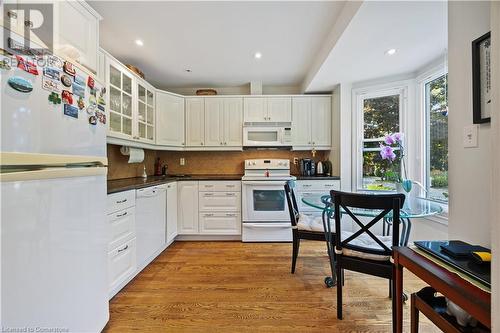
[318, 185]
[220, 223]
[122, 226]
[121, 200]
[220, 186]
[121, 263]
[219, 201]
[266, 232]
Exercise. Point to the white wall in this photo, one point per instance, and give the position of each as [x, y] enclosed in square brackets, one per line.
[495, 208]
[470, 171]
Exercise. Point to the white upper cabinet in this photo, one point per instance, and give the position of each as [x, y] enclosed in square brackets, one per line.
[169, 119]
[233, 122]
[145, 108]
[255, 109]
[311, 123]
[279, 109]
[321, 121]
[267, 109]
[120, 93]
[301, 121]
[76, 32]
[195, 122]
[214, 112]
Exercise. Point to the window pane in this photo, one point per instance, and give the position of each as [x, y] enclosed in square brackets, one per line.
[437, 112]
[379, 174]
[381, 116]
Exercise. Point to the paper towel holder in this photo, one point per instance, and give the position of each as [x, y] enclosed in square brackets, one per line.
[136, 155]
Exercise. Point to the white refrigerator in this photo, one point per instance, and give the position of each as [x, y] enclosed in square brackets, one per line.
[53, 195]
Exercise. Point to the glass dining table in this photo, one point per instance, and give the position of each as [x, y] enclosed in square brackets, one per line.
[414, 207]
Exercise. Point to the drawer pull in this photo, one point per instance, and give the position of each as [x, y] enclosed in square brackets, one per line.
[208, 185]
[209, 194]
[123, 214]
[12, 14]
[229, 214]
[121, 250]
[230, 194]
[230, 185]
[307, 185]
[208, 215]
[121, 201]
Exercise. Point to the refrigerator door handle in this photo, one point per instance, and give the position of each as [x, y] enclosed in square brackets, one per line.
[52, 173]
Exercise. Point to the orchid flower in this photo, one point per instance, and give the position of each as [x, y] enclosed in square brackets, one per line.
[397, 137]
[387, 153]
[389, 140]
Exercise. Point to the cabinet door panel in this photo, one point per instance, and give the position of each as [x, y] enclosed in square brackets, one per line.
[187, 209]
[255, 109]
[321, 118]
[233, 122]
[171, 212]
[76, 27]
[279, 109]
[195, 122]
[214, 108]
[301, 121]
[170, 120]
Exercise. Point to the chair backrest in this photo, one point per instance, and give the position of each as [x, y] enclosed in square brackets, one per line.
[292, 202]
[386, 203]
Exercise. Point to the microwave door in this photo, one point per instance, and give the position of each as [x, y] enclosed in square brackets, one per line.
[263, 137]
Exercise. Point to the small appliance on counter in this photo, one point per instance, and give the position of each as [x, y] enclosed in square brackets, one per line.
[319, 169]
[307, 167]
[327, 168]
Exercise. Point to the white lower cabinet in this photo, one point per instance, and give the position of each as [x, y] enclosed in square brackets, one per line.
[122, 265]
[122, 255]
[171, 212]
[209, 207]
[187, 195]
[312, 188]
[220, 223]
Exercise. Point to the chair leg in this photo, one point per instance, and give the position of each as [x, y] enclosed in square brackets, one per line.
[390, 288]
[295, 252]
[394, 296]
[414, 315]
[340, 280]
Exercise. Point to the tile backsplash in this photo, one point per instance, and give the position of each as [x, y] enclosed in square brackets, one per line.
[198, 162]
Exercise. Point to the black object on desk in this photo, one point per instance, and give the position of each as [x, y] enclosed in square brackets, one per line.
[458, 255]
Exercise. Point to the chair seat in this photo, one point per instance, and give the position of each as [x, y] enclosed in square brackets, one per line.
[312, 224]
[365, 241]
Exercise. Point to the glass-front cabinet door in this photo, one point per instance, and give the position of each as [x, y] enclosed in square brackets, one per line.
[120, 100]
[145, 112]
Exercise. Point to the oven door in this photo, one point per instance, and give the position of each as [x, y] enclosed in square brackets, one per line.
[264, 201]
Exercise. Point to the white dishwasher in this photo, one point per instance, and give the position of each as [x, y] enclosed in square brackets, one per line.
[150, 221]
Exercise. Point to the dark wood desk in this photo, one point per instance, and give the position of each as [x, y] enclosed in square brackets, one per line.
[472, 299]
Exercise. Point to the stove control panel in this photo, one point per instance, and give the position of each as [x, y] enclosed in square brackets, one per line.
[267, 164]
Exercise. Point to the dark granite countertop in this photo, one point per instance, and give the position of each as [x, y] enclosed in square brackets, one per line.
[125, 184]
[317, 177]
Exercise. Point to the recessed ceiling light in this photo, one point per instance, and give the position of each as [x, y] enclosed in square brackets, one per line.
[257, 55]
[390, 52]
[139, 42]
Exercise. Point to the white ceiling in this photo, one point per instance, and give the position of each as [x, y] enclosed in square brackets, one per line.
[217, 40]
[418, 30]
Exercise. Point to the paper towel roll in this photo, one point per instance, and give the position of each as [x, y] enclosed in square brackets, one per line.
[135, 155]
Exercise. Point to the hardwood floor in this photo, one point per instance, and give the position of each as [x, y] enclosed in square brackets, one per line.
[244, 287]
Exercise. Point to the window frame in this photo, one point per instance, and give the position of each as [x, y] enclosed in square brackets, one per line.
[361, 95]
[424, 135]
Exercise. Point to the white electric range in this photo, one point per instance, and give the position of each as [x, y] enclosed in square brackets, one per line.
[265, 211]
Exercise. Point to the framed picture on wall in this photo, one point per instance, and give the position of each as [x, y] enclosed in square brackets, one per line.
[481, 79]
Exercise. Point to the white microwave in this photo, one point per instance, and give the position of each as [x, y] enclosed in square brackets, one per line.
[267, 136]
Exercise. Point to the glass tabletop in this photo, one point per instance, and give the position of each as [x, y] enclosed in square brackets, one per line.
[413, 207]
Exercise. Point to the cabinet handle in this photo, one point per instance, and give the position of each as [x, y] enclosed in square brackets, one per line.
[28, 24]
[183, 144]
[121, 201]
[121, 250]
[230, 185]
[221, 143]
[230, 194]
[208, 185]
[225, 143]
[314, 143]
[208, 215]
[202, 143]
[120, 215]
[307, 185]
[12, 14]
[229, 214]
[209, 194]
[309, 142]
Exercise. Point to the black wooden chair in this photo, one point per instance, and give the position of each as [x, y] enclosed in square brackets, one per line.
[362, 251]
[298, 233]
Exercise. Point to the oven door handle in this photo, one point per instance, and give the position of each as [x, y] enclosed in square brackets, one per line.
[267, 225]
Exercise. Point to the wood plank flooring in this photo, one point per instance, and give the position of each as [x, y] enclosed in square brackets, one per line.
[245, 287]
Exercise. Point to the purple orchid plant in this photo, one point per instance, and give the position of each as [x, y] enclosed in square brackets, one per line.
[392, 142]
